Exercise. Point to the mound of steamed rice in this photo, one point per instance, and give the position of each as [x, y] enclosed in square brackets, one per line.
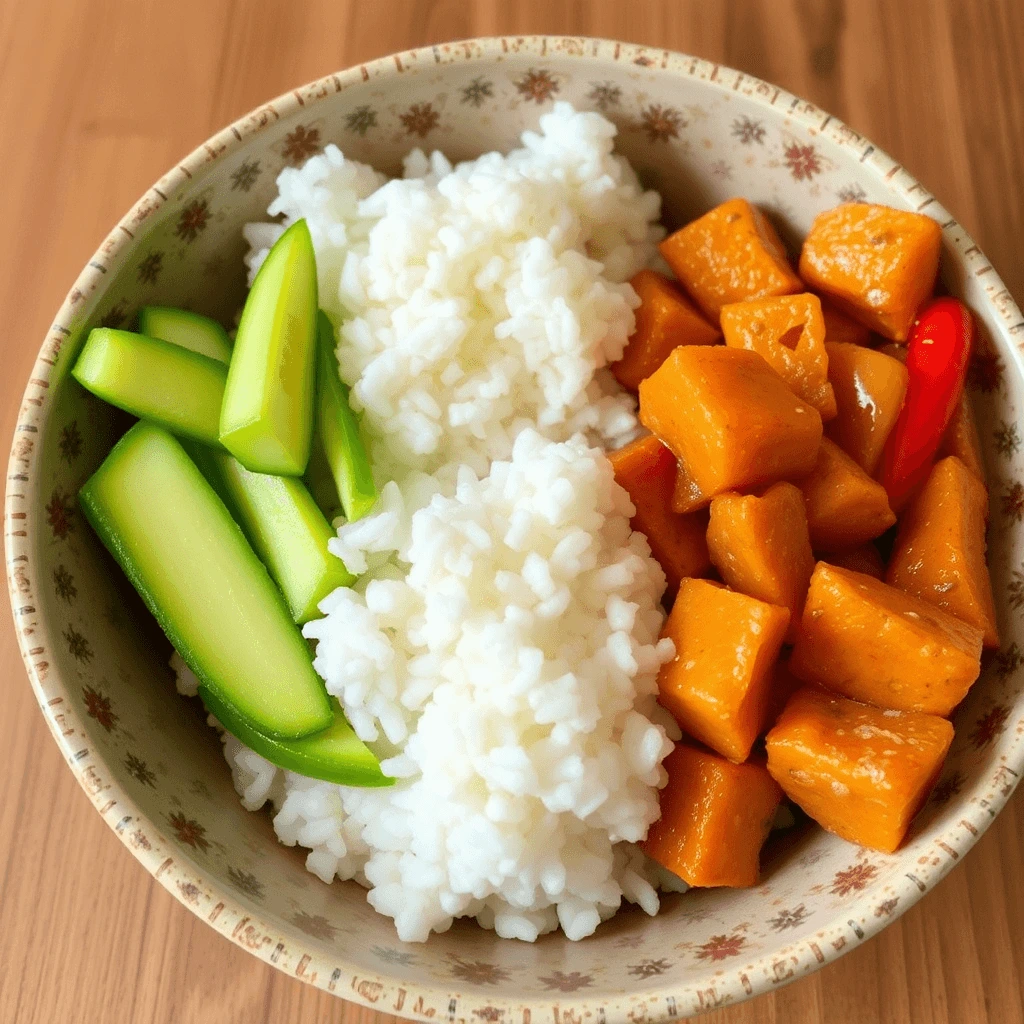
[500, 650]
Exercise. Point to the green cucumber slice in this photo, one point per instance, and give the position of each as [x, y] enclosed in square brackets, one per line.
[335, 755]
[211, 595]
[154, 380]
[320, 481]
[267, 416]
[285, 528]
[189, 330]
[338, 430]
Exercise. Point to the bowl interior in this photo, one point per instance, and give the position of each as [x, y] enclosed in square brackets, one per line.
[698, 134]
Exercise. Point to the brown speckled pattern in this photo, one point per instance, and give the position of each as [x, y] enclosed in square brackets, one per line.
[699, 133]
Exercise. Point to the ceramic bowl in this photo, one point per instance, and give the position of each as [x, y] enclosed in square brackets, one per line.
[699, 133]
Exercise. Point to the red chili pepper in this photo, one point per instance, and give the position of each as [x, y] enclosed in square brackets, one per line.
[938, 350]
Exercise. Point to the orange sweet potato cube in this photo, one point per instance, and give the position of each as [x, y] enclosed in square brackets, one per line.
[869, 388]
[962, 440]
[686, 495]
[873, 262]
[789, 332]
[647, 470]
[871, 642]
[863, 558]
[842, 328]
[718, 686]
[761, 547]
[730, 254]
[845, 507]
[940, 548]
[729, 418]
[858, 771]
[715, 817]
[665, 319]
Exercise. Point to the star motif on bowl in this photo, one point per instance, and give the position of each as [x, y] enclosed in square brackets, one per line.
[721, 947]
[64, 584]
[788, 918]
[301, 143]
[245, 175]
[70, 441]
[1013, 502]
[193, 220]
[538, 85]
[649, 968]
[748, 130]
[78, 645]
[989, 726]
[1007, 439]
[150, 267]
[478, 972]
[479, 90]
[420, 119]
[803, 161]
[557, 981]
[661, 123]
[314, 925]
[853, 878]
[98, 706]
[189, 831]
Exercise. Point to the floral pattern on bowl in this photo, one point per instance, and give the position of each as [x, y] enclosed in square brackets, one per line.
[697, 132]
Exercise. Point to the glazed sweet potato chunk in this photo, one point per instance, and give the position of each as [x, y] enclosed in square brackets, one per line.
[718, 686]
[842, 328]
[647, 470]
[761, 547]
[665, 318]
[845, 507]
[730, 254]
[871, 642]
[789, 332]
[730, 419]
[687, 497]
[715, 817]
[940, 548]
[863, 558]
[869, 389]
[962, 440]
[873, 262]
[858, 771]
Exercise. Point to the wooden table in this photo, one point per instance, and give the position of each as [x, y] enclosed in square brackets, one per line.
[99, 97]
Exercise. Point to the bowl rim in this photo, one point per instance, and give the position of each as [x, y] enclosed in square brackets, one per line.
[231, 915]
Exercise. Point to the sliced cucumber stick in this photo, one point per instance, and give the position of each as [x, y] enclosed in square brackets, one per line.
[335, 755]
[267, 417]
[154, 380]
[285, 528]
[338, 430]
[189, 330]
[182, 551]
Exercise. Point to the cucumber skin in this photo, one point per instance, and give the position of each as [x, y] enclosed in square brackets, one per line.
[242, 437]
[217, 344]
[319, 481]
[209, 433]
[293, 755]
[231, 485]
[109, 536]
[338, 430]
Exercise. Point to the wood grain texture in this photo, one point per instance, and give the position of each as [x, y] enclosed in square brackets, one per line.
[99, 97]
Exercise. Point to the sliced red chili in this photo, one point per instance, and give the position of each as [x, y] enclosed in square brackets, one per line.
[938, 351]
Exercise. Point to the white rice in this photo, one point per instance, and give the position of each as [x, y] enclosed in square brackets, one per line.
[501, 647]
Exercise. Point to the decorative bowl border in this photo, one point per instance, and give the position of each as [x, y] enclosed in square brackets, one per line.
[200, 892]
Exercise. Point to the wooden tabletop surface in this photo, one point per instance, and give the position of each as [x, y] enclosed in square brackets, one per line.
[99, 97]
